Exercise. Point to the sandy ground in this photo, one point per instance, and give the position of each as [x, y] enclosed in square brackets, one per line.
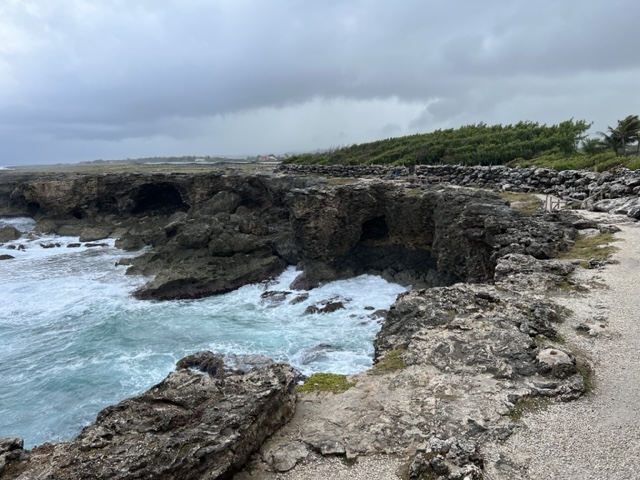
[598, 436]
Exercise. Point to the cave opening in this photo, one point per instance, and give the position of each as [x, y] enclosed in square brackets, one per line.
[378, 252]
[158, 199]
[107, 204]
[33, 208]
[374, 229]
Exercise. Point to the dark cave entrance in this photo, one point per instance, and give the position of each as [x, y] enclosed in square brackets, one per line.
[374, 229]
[33, 208]
[107, 204]
[377, 252]
[158, 199]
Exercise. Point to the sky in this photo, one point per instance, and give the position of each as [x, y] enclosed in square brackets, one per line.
[89, 79]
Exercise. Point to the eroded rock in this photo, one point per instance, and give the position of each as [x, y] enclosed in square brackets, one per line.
[189, 426]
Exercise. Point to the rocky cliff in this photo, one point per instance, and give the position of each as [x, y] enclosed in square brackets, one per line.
[214, 232]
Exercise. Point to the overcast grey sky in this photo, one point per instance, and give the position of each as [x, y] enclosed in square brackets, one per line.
[88, 79]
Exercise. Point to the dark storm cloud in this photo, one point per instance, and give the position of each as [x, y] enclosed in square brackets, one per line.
[112, 70]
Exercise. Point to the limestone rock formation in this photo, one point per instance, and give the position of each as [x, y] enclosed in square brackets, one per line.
[189, 426]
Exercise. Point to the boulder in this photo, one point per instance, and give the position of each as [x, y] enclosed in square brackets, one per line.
[556, 362]
[629, 206]
[196, 274]
[91, 234]
[9, 233]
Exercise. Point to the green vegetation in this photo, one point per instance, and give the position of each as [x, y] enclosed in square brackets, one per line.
[525, 203]
[588, 247]
[598, 162]
[586, 371]
[478, 144]
[563, 147]
[528, 404]
[325, 382]
[624, 134]
[338, 181]
[392, 361]
[413, 192]
[542, 341]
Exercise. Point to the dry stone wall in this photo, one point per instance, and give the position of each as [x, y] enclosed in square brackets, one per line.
[575, 184]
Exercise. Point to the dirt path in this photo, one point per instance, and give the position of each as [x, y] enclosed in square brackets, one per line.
[597, 437]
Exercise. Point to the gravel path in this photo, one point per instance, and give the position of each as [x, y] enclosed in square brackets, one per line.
[597, 437]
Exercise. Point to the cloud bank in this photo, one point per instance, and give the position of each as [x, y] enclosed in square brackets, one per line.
[86, 79]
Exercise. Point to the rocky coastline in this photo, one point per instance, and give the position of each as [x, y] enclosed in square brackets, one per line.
[472, 342]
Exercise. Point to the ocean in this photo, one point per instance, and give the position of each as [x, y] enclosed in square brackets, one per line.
[73, 340]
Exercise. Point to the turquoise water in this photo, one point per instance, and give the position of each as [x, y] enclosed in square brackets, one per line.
[73, 340]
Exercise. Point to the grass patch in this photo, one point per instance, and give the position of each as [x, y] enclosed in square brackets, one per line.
[594, 246]
[338, 181]
[528, 405]
[542, 341]
[325, 382]
[568, 286]
[586, 371]
[413, 192]
[525, 203]
[392, 361]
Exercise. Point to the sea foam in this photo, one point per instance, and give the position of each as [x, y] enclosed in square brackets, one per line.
[74, 340]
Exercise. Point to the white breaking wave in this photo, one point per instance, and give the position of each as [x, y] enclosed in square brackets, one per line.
[75, 340]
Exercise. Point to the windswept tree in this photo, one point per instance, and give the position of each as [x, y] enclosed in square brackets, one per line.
[593, 145]
[626, 133]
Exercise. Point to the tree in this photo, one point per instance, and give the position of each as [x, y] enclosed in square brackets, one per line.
[592, 146]
[626, 133]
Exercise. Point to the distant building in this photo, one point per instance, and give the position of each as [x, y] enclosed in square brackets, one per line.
[267, 158]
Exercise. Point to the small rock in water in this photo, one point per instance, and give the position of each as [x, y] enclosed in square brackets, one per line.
[73, 245]
[274, 297]
[299, 299]
[50, 245]
[206, 362]
[328, 308]
[6, 257]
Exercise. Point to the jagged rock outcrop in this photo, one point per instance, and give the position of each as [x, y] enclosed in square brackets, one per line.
[189, 426]
[413, 236]
[629, 206]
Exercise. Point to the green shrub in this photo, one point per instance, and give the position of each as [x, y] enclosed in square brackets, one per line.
[391, 361]
[325, 382]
